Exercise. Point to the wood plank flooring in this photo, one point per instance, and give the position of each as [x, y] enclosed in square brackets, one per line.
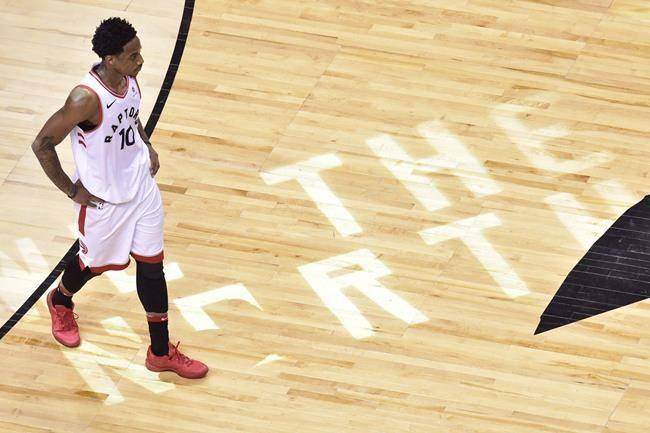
[368, 206]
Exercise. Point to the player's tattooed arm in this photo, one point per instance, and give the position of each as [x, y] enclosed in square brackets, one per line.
[81, 105]
[43, 147]
[153, 155]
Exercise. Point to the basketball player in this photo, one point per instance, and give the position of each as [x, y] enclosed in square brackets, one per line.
[118, 204]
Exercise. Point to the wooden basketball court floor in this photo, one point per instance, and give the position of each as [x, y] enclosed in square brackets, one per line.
[368, 206]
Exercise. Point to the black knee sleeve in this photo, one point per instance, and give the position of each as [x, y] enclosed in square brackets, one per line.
[73, 277]
[152, 287]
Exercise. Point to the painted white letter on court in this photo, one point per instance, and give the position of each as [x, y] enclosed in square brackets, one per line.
[452, 155]
[531, 141]
[469, 231]
[16, 281]
[306, 173]
[90, 362]
[584, 227]
[191, 307]
[330, 290]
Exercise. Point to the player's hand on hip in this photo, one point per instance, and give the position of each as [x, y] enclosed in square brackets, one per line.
[84, 198]
[155, 164]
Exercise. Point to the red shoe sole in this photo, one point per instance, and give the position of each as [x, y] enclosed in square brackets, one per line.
[76, 344]
[160, 370]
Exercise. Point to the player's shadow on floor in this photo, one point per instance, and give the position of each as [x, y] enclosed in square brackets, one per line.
[615, 272]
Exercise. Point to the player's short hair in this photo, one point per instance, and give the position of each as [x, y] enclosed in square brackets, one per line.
[111, 35]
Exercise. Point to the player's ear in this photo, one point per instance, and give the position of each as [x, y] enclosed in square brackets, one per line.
[110, 59]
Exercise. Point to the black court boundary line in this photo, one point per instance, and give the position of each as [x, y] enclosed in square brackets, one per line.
[174, 63]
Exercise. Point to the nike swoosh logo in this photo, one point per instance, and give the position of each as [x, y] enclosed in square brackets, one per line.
[109, 105]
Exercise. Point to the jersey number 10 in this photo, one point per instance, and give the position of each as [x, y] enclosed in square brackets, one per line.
[128, 137]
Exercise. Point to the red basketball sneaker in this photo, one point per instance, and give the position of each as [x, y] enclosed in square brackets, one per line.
[177, 362]
[64, 324]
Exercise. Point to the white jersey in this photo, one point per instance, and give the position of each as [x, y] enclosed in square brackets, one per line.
[111, 159]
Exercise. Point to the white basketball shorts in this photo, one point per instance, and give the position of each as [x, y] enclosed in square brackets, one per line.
[110, 233]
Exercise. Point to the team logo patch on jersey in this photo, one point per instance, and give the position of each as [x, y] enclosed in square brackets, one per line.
[84, 248]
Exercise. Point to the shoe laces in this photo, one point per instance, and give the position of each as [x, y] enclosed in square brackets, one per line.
[178, 355]
[66, 319]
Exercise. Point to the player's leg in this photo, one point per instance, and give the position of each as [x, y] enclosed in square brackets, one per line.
[152, 291]
[147, 250]
[104, 244]
[161, 355]
[73, 279]
[60, 305]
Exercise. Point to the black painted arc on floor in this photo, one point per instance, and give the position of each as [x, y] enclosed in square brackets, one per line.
[172, 69]
[615, 272]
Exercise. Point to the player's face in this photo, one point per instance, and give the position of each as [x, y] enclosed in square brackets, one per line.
[129, 61]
